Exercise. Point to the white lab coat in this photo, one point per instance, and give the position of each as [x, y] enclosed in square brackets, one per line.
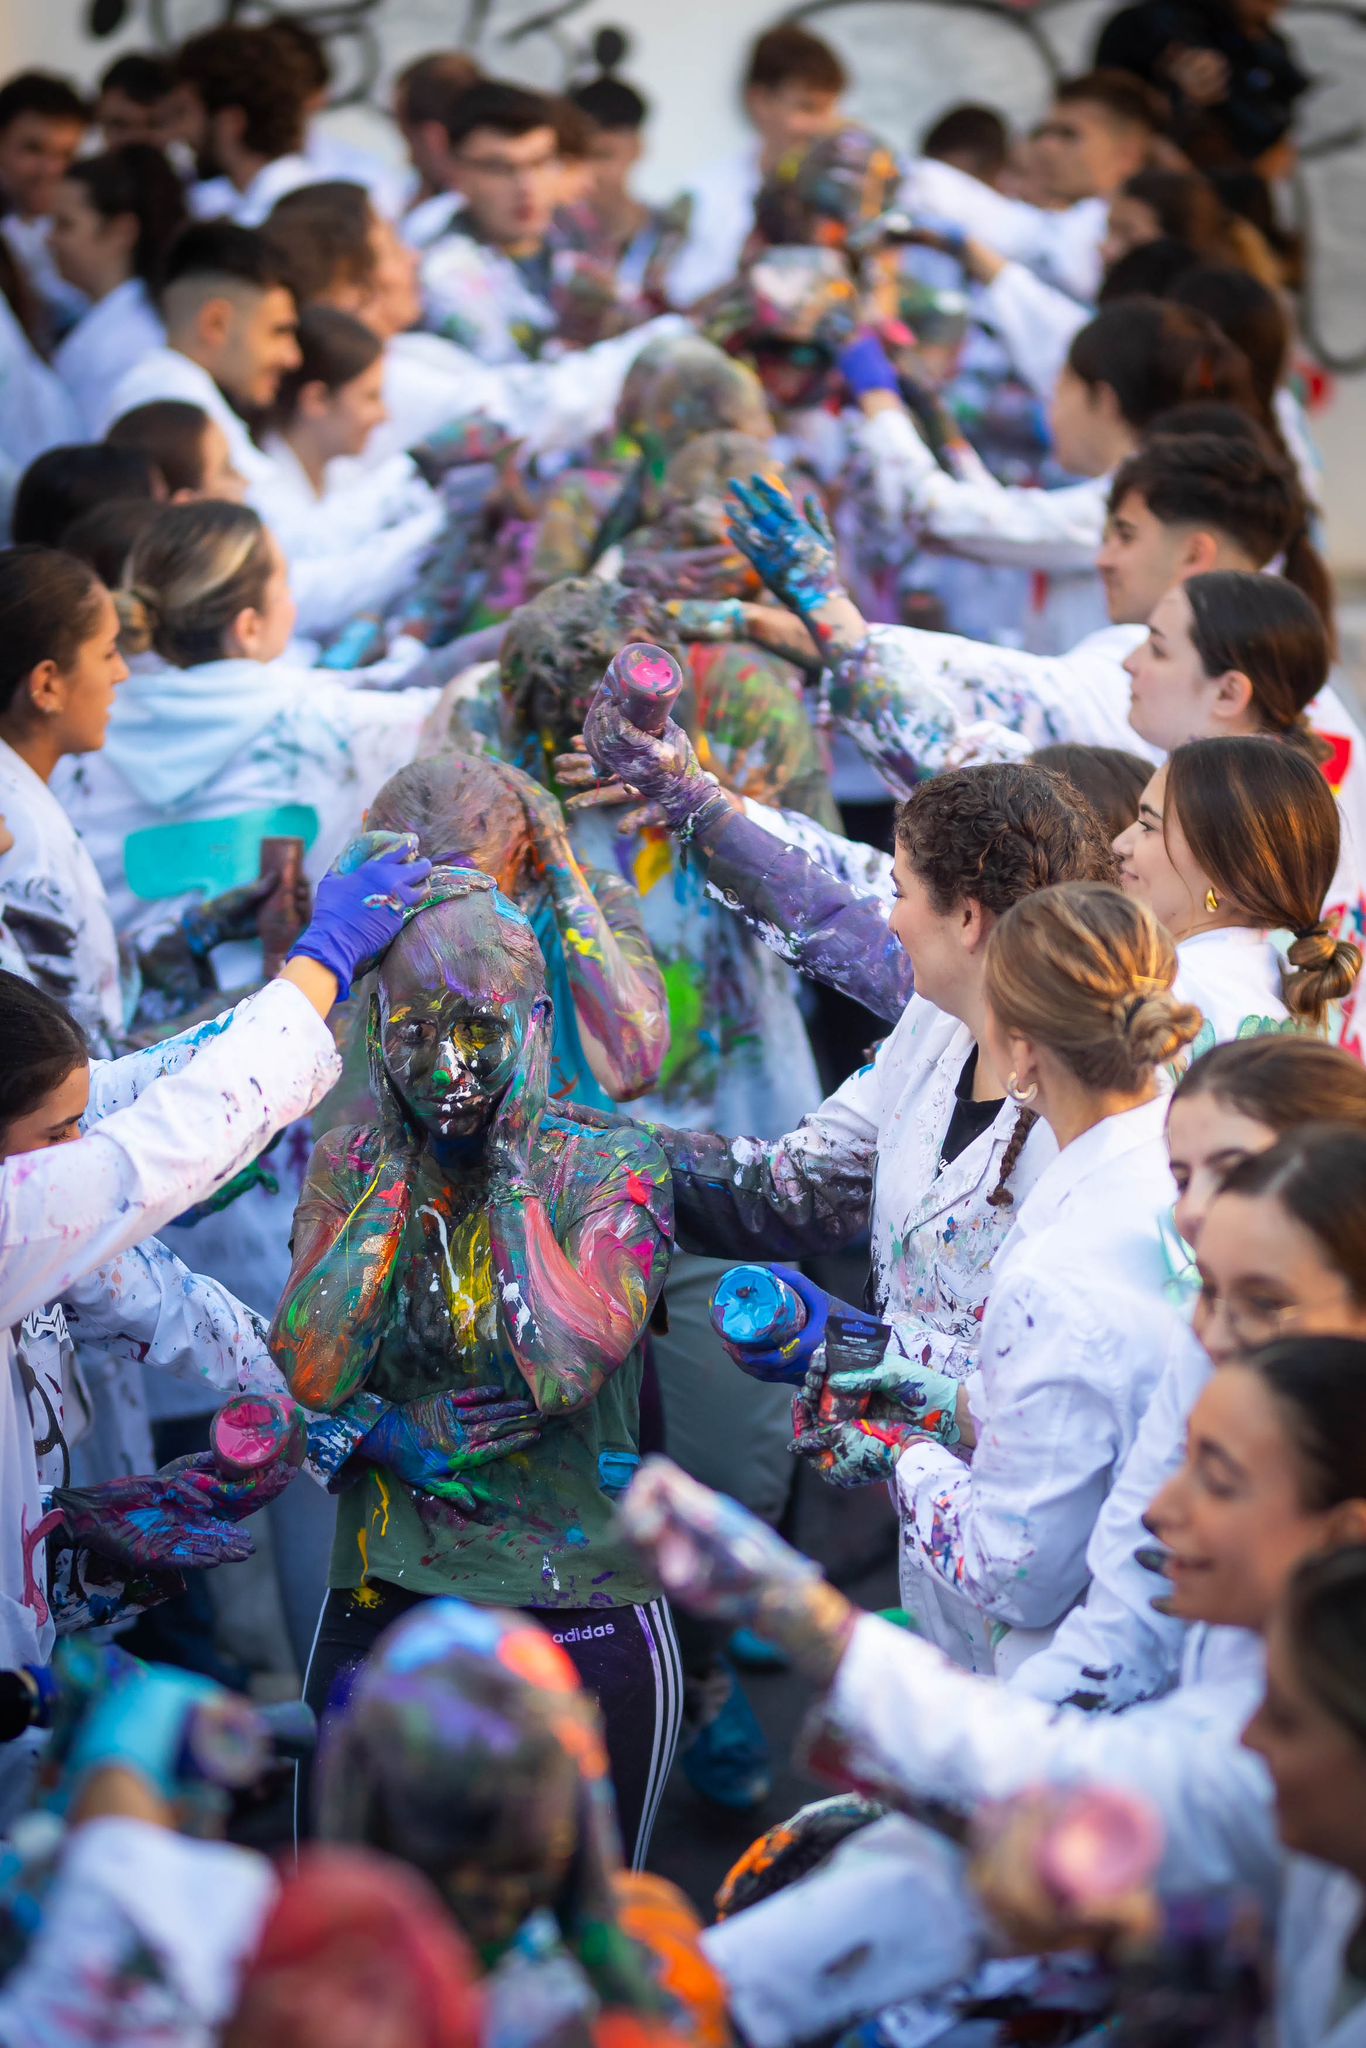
[722, 197]
[54, 906]
[219, 198]
[329, 156]
[1320, 1913]
[355, 503]
[164, 1926]
[917, 702]
[103, 346]
[479, 297]
[36, 412]
[1054, 532]
[1115, 1647]
[228, 737]
[67, 1210]
[31, 247]
[550, 406]
[1063, 247]
[900, 1715]
[1074, 1338]
[1234, 978]
[330, 587]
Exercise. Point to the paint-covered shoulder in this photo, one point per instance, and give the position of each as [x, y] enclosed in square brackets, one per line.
[622, 1163]
[348, 1153]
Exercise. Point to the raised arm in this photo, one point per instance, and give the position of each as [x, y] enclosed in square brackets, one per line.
[620, 1003]
[573, 1309]
[829, 929]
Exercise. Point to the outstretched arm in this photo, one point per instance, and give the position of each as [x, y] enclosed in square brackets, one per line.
[830, 930]
[573, 1310]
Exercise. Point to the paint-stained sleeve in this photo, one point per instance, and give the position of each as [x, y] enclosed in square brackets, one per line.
[348, 1228]
[1009, 1531]
[575, 1293]
[756, 1198]
[146, 1307]
[828, 928]
[68, 1209]
[620, 1002]
[904, 1723]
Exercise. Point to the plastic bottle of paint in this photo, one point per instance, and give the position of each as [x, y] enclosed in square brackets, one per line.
[253, 1431]
[647, 682]
[756, 1309]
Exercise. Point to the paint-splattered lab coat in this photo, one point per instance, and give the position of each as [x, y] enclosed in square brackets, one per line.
[870, 1157]
[65, 1211]
[1075, 1336]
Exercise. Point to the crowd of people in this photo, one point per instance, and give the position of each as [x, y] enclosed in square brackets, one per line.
[568, 765]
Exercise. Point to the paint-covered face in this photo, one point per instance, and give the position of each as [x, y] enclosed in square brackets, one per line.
[456, 996]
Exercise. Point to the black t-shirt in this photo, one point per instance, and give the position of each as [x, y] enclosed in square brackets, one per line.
[969, 1118]
[1264, 79]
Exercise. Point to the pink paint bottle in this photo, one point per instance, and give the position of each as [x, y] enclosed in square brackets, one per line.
[253, 1431]
[647, 682]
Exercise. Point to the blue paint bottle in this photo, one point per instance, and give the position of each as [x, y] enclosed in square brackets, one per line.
[756, 1309]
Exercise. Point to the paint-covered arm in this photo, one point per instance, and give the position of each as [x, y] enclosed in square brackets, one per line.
[619, 998]
[827, 928]
[778, 1198]
[575, 1288]
[347, 1231]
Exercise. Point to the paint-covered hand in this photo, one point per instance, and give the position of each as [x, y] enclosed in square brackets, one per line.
[795, 555]
[890, 1390]
[361, 904]
[717, 571]
[664, 769]
[183, 1518]
[428, 1443]
[787, 1362]
[718, 1560]
[173, 1729]
[846, 1453]
[515, 1127]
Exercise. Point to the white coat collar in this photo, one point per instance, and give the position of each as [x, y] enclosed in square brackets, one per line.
[1112, 1139]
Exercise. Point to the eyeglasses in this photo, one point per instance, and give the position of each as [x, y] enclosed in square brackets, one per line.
[505, 167]
[1249, 1325]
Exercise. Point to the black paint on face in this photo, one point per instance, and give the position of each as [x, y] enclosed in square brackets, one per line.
[454, 1011]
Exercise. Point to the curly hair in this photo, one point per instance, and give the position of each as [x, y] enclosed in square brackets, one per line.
[253, 69]
[998, 831]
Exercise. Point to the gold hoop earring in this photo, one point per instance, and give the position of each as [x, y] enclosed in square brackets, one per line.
[1022, 1097]
[1211, 900]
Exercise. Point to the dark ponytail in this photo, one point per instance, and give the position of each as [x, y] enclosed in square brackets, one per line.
[1153, 354]
[40, 1044]
[1269, 631]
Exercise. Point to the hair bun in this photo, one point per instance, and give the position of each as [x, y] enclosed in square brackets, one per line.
[1157, 1025]
[610, 46]
[138, 615]
[1314, 947]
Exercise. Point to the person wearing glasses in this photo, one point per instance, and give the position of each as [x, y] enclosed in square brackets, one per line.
[487, 279]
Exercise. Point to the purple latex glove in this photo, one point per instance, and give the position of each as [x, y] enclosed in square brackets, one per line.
[866, 366]
[181, 1519]
[360, 904]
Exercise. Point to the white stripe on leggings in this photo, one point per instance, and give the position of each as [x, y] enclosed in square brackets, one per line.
[657, 1627]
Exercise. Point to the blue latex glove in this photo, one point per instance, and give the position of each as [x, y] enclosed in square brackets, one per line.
[785, 1364]
[360, 904]
[141, 1725]
[866, 366]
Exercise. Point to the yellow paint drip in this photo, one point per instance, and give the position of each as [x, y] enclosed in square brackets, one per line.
[366, 1595]
[653, 862]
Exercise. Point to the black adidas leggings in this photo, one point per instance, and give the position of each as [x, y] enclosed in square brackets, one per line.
[627, 1657]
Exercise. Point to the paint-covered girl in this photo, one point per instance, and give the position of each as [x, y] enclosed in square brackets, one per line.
[481, 1258]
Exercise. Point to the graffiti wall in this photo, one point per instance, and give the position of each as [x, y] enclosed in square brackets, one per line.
[910, 59]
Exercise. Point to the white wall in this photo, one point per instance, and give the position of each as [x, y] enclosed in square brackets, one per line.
[910, 60]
